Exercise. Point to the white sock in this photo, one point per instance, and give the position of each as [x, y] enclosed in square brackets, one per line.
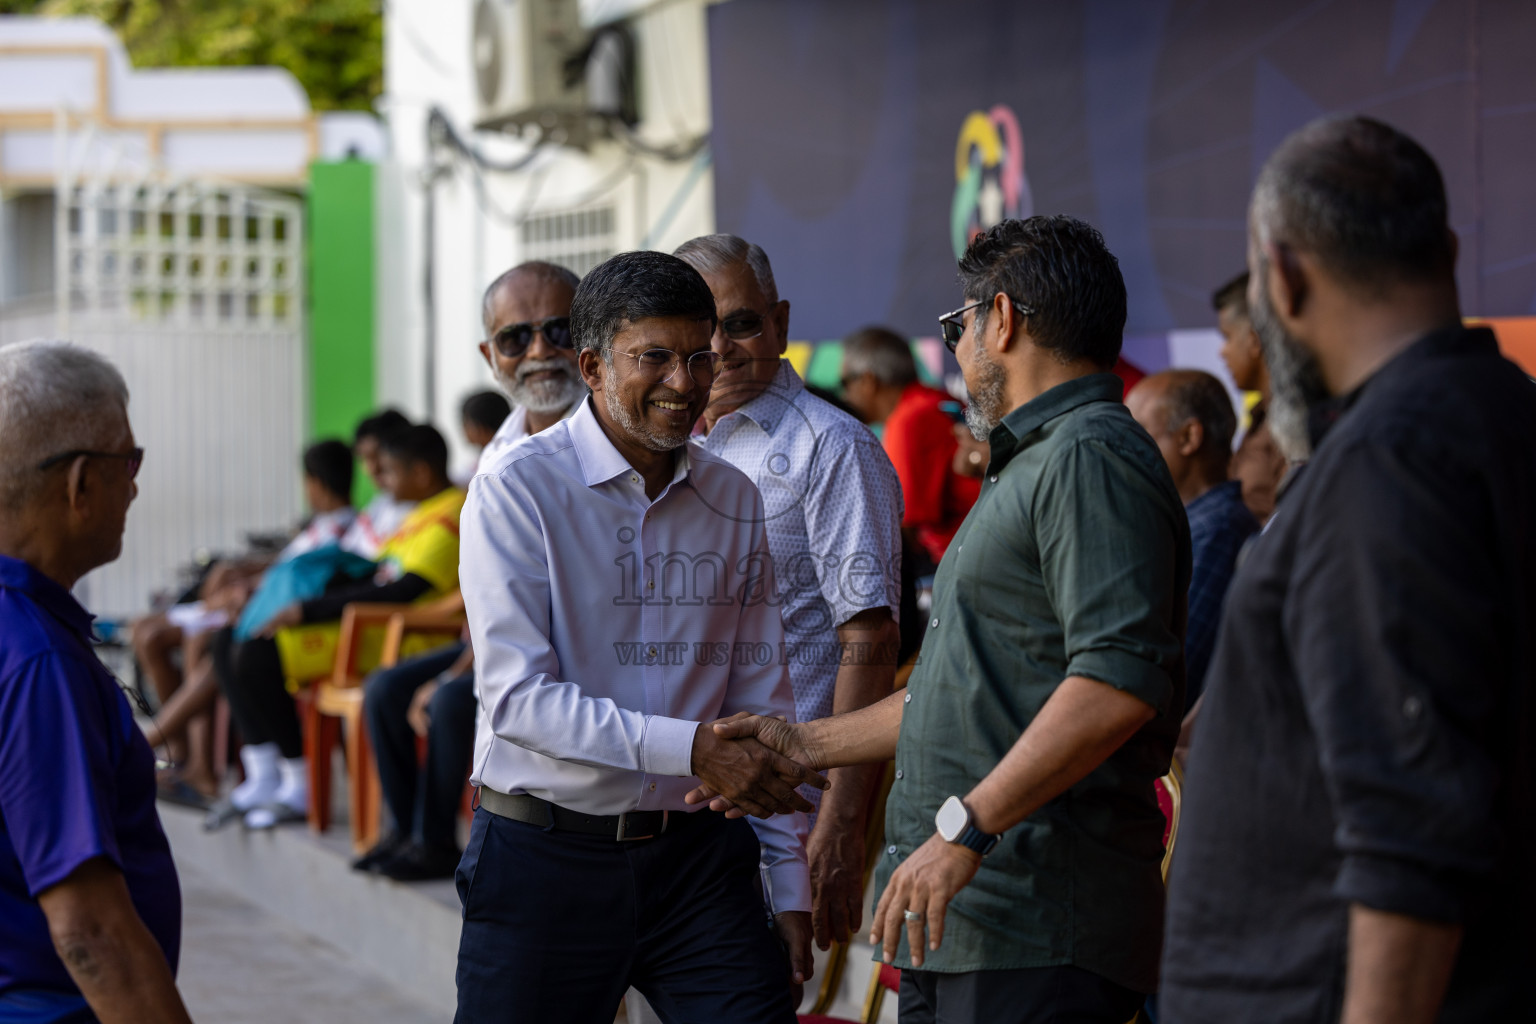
[293, 789]
[261, 776]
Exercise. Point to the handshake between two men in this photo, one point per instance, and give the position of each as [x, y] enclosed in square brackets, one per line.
[750, 764]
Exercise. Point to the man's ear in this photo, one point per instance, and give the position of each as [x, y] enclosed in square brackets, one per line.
[1006, 318]
[593, 368]
[1288, 286]
[780, 315]
[485, 353]
[1190, 437]
[79, 487]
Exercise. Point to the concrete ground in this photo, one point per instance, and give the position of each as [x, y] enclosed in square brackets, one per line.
[241, 965]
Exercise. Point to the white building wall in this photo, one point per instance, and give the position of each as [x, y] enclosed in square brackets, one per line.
[656, 204]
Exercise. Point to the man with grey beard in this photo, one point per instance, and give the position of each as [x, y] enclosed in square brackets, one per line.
[527, 315]
[1022, 872]
[1360, 819]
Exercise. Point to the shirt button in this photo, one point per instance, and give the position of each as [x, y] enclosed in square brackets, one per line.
[652, 652]
[993, 478]
[935, 622]
[635, 479]
[907, 699]
[653, 787]
[898, 773]
[891, 850]
[650, 584]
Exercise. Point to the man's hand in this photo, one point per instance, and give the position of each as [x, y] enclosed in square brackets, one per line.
[836, 855]
[417, 715]
[794, 930]
[924, 884]
[773, 733]
[288, 615]
[755, 779]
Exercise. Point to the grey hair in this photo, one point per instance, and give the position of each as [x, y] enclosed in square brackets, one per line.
[55, 396]
[539, 270]
[712, 254]
[881, 352]
[1196, 395]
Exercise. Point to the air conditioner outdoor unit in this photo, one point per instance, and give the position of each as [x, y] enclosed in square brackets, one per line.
[520, 49]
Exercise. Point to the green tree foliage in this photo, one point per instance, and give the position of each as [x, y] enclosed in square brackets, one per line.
[335, 48]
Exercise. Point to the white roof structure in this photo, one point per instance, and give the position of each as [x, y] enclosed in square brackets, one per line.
[70, 100]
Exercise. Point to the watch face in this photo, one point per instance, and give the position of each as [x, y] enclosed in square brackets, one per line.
[952, 819]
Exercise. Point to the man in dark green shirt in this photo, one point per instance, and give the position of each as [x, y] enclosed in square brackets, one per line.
[1021, 874]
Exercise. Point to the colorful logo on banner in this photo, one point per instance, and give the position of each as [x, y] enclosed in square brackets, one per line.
[990, 185]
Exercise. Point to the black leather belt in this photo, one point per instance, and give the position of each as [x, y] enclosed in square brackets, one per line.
[626, 827]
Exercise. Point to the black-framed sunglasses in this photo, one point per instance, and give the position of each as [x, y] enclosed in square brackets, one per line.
[134, 458]
[952, 325]
[513, 340]
[659, 365]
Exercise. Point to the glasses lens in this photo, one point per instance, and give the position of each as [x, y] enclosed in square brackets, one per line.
[951, 331]
[557, 331]
[743, 327]
[703, 366]
[512, 340]
[135, 463]
[657, 364]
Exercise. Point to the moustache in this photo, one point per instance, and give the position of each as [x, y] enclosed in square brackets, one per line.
[531, 366]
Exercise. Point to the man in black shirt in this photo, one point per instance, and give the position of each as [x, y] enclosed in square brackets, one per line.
[1358, 826]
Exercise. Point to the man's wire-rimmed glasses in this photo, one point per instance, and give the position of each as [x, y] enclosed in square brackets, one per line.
[660, 365]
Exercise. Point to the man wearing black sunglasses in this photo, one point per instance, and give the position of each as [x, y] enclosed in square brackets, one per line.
[1022, 873]
[527, 317]
[90, 906]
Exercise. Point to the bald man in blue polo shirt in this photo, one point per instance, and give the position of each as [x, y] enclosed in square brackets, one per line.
[90, 908]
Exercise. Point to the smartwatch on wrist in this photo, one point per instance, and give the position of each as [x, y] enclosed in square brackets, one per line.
[956, 826]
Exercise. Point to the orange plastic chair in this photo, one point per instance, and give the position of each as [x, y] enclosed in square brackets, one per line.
[335, 709]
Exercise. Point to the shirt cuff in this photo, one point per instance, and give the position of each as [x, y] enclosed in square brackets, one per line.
[1400, 887]
[1126, 672]
[789, 886]
[666, 746]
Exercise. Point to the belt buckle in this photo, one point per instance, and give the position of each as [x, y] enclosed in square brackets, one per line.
[624, 821]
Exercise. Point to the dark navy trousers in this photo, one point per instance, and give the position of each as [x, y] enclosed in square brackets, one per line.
[558, 925]
[423, 800]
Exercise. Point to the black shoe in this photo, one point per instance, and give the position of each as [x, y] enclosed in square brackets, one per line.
[419, 864]
[391, 846]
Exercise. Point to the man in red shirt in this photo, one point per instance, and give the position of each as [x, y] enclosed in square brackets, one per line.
[880, 384]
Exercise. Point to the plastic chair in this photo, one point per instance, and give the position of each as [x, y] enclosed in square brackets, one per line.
[337, 704]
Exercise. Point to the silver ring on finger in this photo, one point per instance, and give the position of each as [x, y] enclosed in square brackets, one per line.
[911, 915]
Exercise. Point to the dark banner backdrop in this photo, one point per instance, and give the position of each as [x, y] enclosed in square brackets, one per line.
[860, 141]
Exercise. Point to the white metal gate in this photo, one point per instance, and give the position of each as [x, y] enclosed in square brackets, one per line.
[195, 291]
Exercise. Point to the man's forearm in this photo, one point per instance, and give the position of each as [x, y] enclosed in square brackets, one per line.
[1398, 967]
[859, 737]
[1081, 724]
[872, 638]
[112, 957]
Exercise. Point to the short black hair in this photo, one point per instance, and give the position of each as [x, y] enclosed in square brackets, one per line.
[1233, 295]
[1060, 267]
[1197, 395]
[636, 286]
[485, 409]
[540, 269]
[1361, 196]
[386, 421]
[418, 443]
[330, 463]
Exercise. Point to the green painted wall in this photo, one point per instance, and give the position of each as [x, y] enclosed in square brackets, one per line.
[341, 301]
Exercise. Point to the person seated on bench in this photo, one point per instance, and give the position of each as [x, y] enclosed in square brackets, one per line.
[419, 563]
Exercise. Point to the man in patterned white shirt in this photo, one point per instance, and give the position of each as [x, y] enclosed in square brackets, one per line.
[833, 506]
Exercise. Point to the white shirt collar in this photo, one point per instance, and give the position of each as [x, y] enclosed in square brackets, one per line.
[600, 460]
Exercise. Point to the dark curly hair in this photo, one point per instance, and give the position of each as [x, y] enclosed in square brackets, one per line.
[1060, 267]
